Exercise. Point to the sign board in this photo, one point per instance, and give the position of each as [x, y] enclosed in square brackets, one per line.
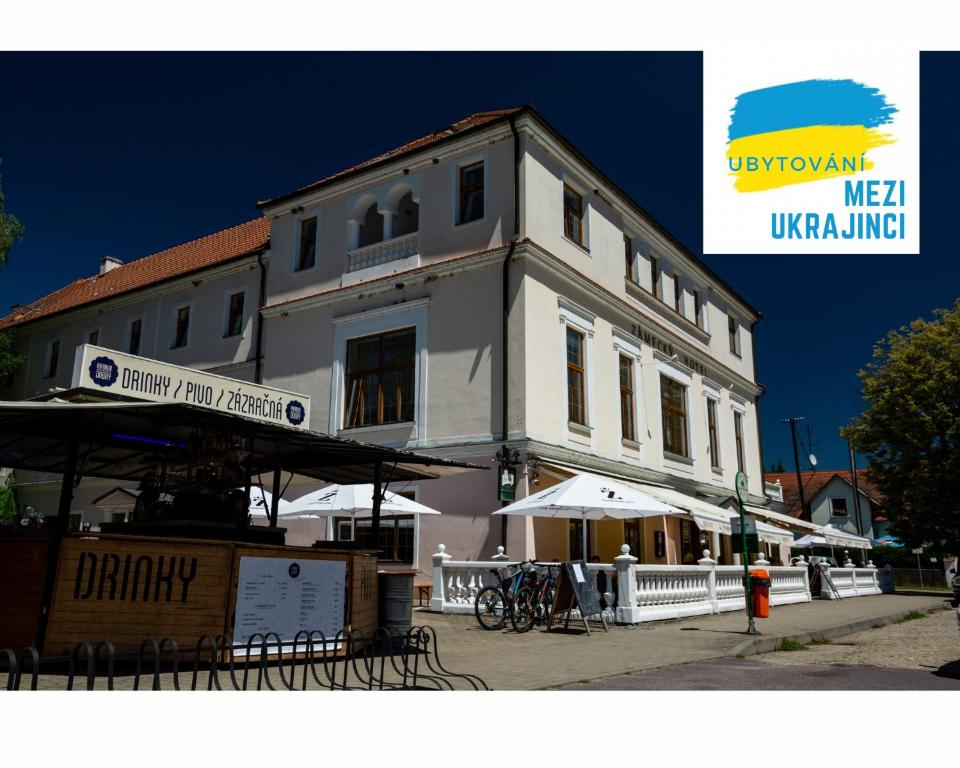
[287, 596]
[144, 379]
[749, 524]
[917, 551]
[508, 483]
[576, 588]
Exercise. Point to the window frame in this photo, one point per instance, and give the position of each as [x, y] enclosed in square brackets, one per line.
[582, 197]
[678, 293]
[733, 334]
[298, 242]
[379, 372]
[577, 370]
[459, 206]
[629, 255]
[683, 413]
[391, 521]
[655, 275]
[628, 412]
[175, 324]
[698, 309]
[833, 511]
[90, 332]
[51, 358]
[128, 335]
[713, 432]
[227, 307]
[739, 440]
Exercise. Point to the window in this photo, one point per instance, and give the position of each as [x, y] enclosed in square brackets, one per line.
[136, 332]
[628, 256]
[572, 215]
[395, 541]
[343, 528]
[838, 507]
[470, 207]
[379, 378]
[181, 333]
[576, 410]
[673, 407]
[738, 435]
[307, 252]
[234, 314]
[697, 310]
[677, 293]
[633, 536]
[94, 336]
[118, 517]
[655, 276]
[712, 433]
[75, 521]
[732, 331]
[627, 427]
[53, 359]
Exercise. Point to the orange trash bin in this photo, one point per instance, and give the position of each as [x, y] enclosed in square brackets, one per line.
[760, 592]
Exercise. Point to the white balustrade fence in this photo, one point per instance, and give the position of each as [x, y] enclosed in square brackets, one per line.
[851, 582]
[397, 248]
[652, 592]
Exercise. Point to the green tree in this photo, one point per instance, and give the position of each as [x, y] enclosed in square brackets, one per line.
[8, 502]
[11, 230]
[910, 430]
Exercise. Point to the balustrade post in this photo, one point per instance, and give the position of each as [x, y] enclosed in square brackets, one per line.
[626, 564]
[501, 554]
[711, 580]
[439, 593]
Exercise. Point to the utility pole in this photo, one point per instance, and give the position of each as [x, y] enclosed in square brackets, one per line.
[792, 421]
[856, 488]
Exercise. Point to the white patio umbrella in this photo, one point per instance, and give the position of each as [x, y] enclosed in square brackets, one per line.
[261, 502]
[349, 500]
[589, 497]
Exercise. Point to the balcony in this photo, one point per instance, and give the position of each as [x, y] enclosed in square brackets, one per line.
[380, 259]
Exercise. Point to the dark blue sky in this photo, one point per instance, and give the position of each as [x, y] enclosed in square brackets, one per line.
[126, 154]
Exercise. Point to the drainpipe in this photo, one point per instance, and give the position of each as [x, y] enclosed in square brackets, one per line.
[258, 344]
[505, 305]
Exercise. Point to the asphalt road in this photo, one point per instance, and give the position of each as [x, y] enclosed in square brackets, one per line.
[758, 675]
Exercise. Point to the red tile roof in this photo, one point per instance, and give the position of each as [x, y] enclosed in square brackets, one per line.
[813, 483]
[475, 120]
[204, 252]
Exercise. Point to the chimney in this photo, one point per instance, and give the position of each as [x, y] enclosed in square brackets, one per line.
[109, 262]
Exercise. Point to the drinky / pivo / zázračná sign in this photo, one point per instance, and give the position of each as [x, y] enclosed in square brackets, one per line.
[146, 379]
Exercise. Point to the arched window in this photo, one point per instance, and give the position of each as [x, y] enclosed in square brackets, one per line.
[407, 217]
[371, 227]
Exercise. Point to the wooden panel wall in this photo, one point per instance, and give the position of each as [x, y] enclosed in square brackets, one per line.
[23, 567]
[127, 590]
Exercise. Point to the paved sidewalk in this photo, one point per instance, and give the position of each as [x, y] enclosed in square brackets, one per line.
[538, 659]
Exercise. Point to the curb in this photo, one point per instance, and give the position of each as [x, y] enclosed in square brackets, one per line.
[758, 645]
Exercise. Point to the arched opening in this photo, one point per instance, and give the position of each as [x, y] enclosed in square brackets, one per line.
[407, 217]
[371, 227]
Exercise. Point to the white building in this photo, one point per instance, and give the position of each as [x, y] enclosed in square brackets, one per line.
[482, 285]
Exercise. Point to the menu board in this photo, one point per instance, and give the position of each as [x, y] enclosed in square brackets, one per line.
[285, 596]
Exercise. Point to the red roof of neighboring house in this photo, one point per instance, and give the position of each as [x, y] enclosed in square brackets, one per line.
[813, 483]
[475, 120]
[208, 251]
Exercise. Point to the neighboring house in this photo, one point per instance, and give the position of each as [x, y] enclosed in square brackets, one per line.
[829, 500]
[482, 286]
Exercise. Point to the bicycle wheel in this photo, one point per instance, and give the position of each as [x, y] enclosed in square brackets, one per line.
[545, 608]
[490, 608]
[524, 612]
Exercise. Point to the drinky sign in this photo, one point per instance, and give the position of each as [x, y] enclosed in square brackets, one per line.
[145, 379]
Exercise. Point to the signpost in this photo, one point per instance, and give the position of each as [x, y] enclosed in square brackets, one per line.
[117, 373]
[744, 553]
[919, 551]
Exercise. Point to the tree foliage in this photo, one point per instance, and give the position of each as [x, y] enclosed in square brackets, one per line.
[910, 430]
[8, 502]
[11, 230]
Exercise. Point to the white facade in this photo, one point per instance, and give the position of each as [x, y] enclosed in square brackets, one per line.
[391, 251]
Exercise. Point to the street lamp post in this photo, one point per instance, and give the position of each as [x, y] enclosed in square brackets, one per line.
[745, 555]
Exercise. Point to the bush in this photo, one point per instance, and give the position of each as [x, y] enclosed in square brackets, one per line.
[8, 505]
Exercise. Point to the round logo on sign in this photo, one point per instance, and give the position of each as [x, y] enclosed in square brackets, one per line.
[103, 371]
[294, 570]
[295, 412]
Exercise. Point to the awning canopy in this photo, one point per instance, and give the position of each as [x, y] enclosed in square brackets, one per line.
[122, 439]
[708, 517]
[832, 536]
[784, 521]
[841, 538]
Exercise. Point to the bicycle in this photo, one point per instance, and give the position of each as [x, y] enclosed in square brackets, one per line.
[534, 600]
[492, 604]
